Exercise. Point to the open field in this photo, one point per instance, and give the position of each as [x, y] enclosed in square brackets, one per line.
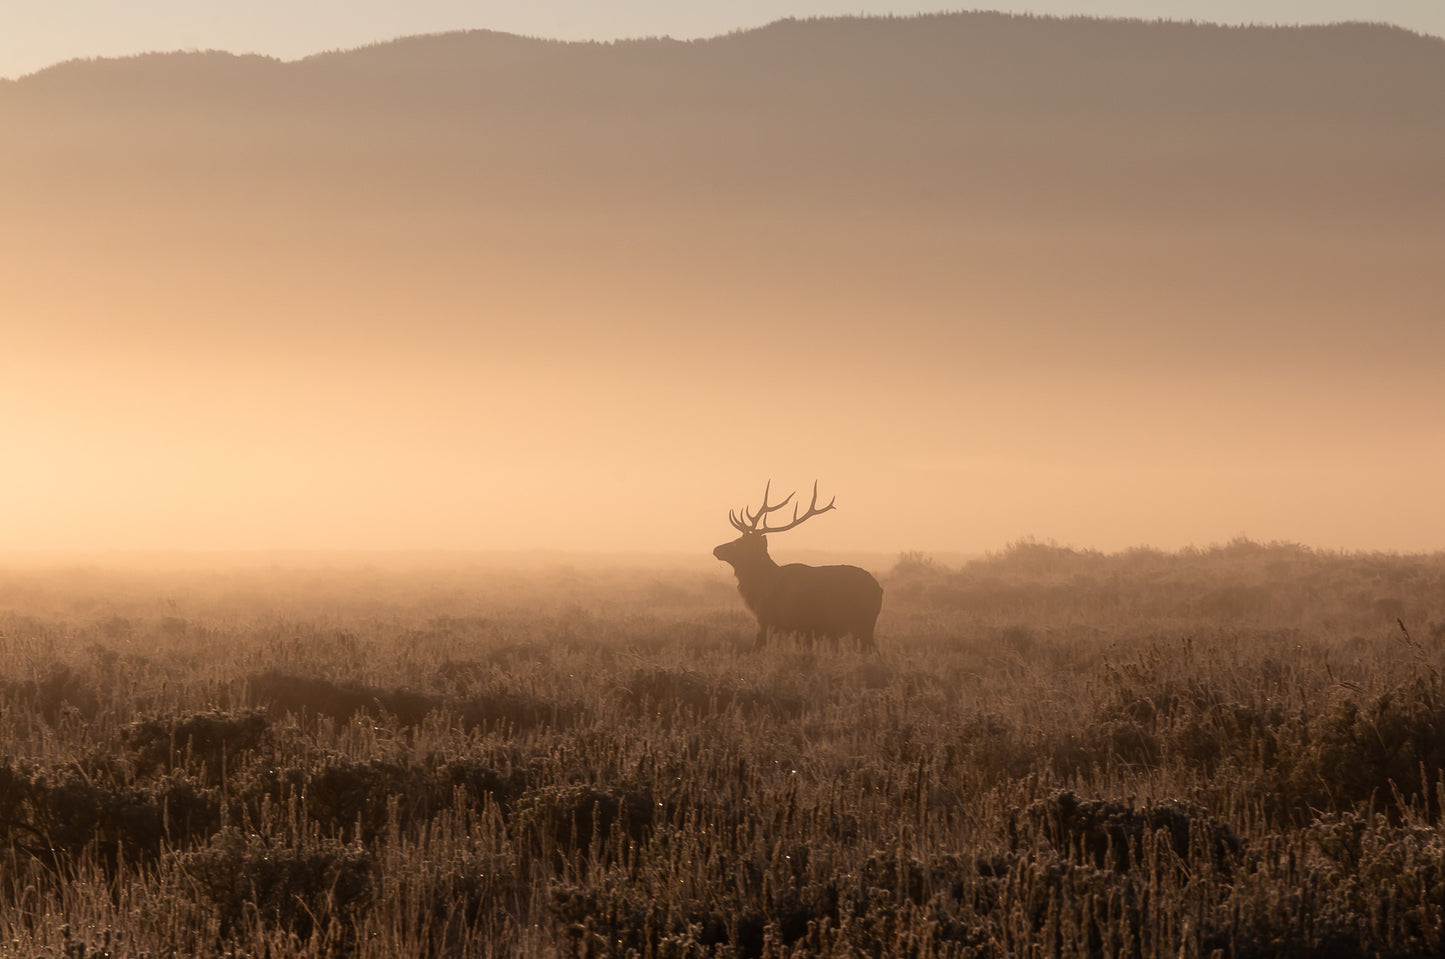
[1054, 753]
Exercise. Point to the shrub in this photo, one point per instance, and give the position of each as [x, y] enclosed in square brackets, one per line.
[315, 887]
[1111, 834]
[211, 741]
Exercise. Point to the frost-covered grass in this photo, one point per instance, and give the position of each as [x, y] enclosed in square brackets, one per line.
[1054, 753]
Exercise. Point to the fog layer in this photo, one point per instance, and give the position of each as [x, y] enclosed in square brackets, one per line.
[985, 277]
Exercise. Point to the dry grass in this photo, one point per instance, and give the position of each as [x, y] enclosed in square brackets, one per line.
[1056, 753]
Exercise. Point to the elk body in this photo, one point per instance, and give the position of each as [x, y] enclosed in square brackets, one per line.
[814, 602]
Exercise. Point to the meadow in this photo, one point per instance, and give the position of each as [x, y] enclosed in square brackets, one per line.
[1232, 751]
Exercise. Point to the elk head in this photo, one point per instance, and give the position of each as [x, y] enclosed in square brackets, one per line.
[751, 548]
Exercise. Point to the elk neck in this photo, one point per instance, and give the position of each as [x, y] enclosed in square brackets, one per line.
[755, 575]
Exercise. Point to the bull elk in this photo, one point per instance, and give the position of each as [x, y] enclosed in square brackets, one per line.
[815, 602]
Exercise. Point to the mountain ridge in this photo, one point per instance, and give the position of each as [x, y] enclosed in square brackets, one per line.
[792, 29]
[977, 135]
[1135, 108]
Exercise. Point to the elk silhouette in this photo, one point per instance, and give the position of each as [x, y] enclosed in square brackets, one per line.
[814, 602]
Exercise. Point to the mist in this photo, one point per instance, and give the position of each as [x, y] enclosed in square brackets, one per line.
[982, 277]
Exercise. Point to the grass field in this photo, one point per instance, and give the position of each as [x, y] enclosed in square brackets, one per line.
[1055, 753]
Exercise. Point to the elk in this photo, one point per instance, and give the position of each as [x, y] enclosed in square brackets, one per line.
[815, 602]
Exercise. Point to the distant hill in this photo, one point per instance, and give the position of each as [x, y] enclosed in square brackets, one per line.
[938, 113]
[920, 152]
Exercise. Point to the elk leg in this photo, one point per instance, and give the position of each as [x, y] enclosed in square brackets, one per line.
[866, 641]
[762, 639]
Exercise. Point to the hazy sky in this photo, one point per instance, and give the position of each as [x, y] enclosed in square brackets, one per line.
[37, 33]
[1108, 307]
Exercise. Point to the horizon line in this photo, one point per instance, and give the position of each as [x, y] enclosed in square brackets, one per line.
[10, 558]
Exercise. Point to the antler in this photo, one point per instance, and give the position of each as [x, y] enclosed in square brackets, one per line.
[749, 522]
